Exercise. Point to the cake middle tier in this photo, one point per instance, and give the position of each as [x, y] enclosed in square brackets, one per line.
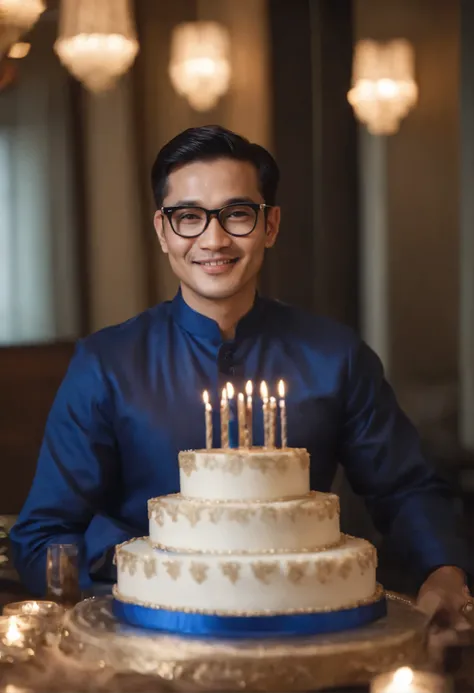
[244, 474]
[309, 522]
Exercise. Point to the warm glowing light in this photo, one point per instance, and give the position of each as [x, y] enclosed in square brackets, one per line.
[224, 394]
[248, 388]
[263, 390]
[205, 397]
[281, 389]
[13, 634]
[97, 41]
[19, 50]
[230, 390]
[384, 89]
[17, 17]
[199, 66]
[402, 678]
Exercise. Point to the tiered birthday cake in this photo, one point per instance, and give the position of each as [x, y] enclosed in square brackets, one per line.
[246, 548]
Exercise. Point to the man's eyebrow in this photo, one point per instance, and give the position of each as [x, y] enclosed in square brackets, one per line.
[198, 203]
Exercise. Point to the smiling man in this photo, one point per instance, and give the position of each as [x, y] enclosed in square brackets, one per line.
[131, 399]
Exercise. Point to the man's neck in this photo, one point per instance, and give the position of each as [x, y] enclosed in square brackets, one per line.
[226, 312]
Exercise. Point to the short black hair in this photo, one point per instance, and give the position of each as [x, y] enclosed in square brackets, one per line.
[213, 142]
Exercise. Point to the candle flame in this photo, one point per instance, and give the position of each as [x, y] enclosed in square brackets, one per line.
[13, 634]
[403, 677]
[241, 397]
[248, 388]
[281, 389]
[224, 394]
[205, 397]
[230, 390]
[263, 390]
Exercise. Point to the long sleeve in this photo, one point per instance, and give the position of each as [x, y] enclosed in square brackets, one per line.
[75, 479]
[384, 464]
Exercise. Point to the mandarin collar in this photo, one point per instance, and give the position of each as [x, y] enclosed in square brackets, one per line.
[201, 326]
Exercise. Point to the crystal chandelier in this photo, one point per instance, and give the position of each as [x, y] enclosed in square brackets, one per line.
[16, 18]
[97, 41]
[199, 66]
[384, 89]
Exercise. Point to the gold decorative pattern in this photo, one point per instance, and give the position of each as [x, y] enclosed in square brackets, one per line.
[324, 570]
[321, 506]
[199, 572]
[231, 570]
[173, 568]
[149, 568]
[263, 570]
[233, 461]
[344, 569]
[187, 462]
[378, 594]
[297, 570]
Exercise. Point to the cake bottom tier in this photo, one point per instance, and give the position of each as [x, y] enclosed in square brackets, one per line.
[243, 585]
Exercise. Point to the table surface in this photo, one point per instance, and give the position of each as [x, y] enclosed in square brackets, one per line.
[48, 673]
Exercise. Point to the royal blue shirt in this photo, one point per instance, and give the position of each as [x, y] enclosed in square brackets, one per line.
[132, 399]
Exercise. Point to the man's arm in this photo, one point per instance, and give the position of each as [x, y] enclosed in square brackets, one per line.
[383, 460]
[75, 478]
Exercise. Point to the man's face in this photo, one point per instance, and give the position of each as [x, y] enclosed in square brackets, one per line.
[216, 265]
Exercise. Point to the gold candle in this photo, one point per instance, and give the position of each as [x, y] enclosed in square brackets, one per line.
[224, 420]
[283, 421]
[208, 419]
[241, 417]
[248, 415]
[272, 422]
[264, 396]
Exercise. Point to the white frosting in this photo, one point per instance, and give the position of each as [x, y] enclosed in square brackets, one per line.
[240, 474]
[278, 583]
[307, 522]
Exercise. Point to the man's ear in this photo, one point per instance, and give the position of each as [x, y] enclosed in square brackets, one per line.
[272, 226]
[159, 224]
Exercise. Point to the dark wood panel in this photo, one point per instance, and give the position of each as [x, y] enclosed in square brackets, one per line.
[29, 379]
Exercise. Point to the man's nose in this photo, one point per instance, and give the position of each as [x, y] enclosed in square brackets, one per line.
[214, 237]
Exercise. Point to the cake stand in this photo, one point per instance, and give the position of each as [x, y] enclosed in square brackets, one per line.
[97, 640]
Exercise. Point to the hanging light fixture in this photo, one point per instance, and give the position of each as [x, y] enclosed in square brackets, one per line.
[97, 41]
[200, 66]
[16, 18]
[384, 89]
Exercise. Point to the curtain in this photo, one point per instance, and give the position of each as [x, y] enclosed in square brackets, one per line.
[39, 298]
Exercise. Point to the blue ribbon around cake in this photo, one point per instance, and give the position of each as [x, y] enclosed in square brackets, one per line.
[220, 626]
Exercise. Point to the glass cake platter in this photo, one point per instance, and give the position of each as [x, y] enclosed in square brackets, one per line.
[96, 640]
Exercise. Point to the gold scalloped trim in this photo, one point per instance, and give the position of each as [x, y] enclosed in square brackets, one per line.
[378, 594]
[235, 460]
[242, 552]
[323, 506]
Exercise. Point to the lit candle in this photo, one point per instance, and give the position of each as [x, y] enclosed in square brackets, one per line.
[224, 420]
[405, 680]
[264, 396]
[242, 423]
[232, 417]
[248, 415]
[272, 422]
[208, 419]
[283, 421]
[13, 635]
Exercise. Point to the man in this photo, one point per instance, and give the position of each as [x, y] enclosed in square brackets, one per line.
[132, 396]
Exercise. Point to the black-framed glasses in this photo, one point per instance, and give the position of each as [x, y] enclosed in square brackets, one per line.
[237, 219]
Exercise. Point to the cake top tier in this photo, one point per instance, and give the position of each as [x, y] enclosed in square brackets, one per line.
[244, 474]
